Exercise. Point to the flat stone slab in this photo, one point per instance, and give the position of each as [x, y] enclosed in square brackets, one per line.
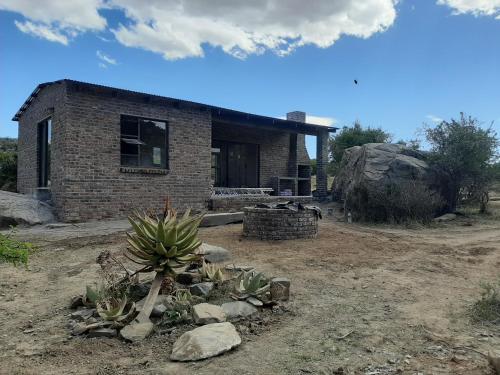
[205, 342]
[239, 309]
[206, 313]
[212, 220]
[214, 254]
[137, 331]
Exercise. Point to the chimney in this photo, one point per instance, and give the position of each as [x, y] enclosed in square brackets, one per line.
[296, 116]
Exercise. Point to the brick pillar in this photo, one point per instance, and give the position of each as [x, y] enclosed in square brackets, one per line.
[322, 162]
[293, 156]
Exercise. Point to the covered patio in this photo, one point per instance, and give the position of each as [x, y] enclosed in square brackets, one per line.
[264, 158]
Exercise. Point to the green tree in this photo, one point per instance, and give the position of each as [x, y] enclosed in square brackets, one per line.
[355, 135]
[463, 153]
[8, 170]
[314, 167]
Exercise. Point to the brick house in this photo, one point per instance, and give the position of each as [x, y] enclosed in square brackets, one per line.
[99, 152]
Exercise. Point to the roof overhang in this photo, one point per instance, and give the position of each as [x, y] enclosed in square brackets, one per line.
[219, 114]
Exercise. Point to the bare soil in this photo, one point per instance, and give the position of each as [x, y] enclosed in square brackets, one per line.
[365, 300]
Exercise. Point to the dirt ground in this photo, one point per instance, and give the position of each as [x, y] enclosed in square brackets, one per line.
[365, 300]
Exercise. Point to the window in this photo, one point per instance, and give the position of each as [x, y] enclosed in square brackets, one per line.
[44, 140]
[143, 143]
[216, 167]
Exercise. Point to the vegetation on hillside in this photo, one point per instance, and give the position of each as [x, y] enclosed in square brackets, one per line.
[8, 164]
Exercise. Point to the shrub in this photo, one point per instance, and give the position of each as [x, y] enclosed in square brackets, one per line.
[487, 308]
[396, 203]
[8, 170]
[13, 251]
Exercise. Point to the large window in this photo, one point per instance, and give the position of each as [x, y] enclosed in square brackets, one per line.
[44, 140]
[144, 142]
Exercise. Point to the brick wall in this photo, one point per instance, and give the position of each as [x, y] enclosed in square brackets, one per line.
[95, 187]
[48, 103]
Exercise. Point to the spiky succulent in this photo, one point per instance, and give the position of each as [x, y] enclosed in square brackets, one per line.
[113, 309]
[163, 244]
[252, 284]
[211, 272]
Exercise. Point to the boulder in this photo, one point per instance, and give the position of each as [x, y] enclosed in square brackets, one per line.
[137, 331]
[214, 254]
[374, 165]
[205, 342]
[239, 309]
[21, 209]
[388, 182]
[206, 313]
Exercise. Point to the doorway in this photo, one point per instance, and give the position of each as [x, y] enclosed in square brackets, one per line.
[235, 165]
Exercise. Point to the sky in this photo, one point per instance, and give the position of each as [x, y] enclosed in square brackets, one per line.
[415, 61]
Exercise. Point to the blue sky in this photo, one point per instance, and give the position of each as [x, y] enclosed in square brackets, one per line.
[416, 61]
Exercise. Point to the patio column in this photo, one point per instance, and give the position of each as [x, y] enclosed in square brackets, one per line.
[321, 163]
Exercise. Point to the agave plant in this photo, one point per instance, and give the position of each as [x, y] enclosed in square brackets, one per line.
[211, 272]
[162, 245]
[250, 284]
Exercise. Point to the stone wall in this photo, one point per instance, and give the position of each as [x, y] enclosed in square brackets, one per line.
[279, 224]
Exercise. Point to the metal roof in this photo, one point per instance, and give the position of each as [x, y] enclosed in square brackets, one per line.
[218, 113]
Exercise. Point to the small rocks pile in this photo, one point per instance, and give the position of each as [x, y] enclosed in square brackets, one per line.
[211, 306]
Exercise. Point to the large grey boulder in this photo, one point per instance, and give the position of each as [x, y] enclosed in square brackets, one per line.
[375, 165]
[21, 209]
[205, 342]
[239, 309]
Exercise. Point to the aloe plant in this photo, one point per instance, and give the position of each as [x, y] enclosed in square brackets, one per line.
[113, 310]
[162, 245]
[211, 272]
[250, 284]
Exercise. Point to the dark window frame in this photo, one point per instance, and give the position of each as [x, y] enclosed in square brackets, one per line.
[44, 140]
[138, 138]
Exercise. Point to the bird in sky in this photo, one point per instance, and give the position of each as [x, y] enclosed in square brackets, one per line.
[355, 81]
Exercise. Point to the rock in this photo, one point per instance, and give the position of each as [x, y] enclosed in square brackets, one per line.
[188, 278]
[162, 299]
[137, 331]
[205, 342]
[374, 166]
[139, 290]
[238, 268]
[201, 289]
[158, 310]
[214, 254]
[82, 315]
[76, 301]
[280, 289]
[239, 309]
[21, 209]
[445, 217]
[102, 332]
[254, 301]
[78, 329]
[206, 313]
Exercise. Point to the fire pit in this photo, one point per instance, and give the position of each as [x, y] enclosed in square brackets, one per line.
[283, 221]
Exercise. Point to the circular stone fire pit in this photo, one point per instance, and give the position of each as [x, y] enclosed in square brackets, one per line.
[279, 224]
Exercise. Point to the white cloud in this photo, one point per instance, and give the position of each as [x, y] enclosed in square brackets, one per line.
[102, 65]
[475, 7]
[435, 119]
[105, 58]
[42, 31]
[57, 20]
[182, 28]
[318, 120]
